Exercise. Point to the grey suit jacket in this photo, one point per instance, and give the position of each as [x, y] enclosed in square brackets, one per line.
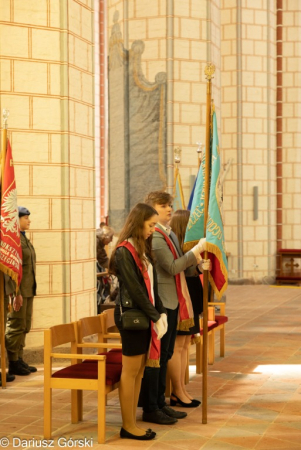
[167, 267]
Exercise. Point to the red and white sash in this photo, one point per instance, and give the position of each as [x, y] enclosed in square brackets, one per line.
[185, 320]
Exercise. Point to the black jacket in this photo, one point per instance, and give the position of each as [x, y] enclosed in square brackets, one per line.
[132, 288]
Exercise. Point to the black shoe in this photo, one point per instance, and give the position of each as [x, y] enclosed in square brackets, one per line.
[172, 413]
[30, 368]
[149, 435]
[192, 404]
[15, 368]
[159, 417]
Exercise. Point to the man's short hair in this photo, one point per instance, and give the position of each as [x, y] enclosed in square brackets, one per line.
[158, 198]
[105, 232]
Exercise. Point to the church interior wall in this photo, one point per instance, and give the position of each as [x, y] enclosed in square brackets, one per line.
[50, 75]
[291, 150]
[47, 85]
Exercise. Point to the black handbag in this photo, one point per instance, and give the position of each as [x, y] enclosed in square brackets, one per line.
[134, 319]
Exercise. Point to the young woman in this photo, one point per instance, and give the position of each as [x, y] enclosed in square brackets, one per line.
[179, 395]
[132, 263]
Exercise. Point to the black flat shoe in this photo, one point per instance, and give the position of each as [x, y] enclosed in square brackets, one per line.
[192, 404]
[149, 435]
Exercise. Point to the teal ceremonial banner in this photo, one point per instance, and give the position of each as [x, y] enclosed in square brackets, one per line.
[218, 276]
[195, 227]
[215, 240]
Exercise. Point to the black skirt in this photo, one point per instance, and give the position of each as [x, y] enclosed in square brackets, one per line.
[195, 288]
[133, 342]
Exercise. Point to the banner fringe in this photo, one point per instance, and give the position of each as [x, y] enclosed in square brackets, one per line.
[195, 339]
[188, 245]
[186, 324]
[152, 363]
[10, 273]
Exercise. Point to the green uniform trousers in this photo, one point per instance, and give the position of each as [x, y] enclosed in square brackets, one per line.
[18, 325]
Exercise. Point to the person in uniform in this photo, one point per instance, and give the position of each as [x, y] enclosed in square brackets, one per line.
[19, 319]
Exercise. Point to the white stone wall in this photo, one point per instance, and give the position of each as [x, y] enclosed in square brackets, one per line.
[46, 58]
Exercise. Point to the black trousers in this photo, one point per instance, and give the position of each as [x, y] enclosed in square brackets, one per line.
[152, 396]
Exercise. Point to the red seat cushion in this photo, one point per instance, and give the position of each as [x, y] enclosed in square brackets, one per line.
[211, 324]
[89, 371]
[221, 320]
[114, 356]
[289, 250]
[288, 277]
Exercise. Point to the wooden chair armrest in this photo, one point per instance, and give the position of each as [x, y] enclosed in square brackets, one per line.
[112, 335]
[221, 305]
[98, 345]
[77, 356]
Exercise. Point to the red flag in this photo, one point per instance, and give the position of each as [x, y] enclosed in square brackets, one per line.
[10, 249]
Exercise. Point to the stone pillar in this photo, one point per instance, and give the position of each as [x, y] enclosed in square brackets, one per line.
[248, 135]
[291, 119]
[47, 84]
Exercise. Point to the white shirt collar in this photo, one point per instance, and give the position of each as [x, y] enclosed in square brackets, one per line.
[167, 229]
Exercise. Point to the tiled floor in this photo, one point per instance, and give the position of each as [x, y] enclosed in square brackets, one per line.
[254, 393]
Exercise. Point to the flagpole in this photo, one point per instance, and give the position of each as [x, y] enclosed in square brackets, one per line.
[177, 156]
[209, 72]
[2, 324]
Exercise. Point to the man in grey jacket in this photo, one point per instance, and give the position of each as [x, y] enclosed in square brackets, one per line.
[153, 387]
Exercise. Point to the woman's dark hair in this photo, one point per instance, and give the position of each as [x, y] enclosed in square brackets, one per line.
[179, 223]
[133, 228]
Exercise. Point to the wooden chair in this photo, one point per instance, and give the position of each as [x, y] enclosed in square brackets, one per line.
[108, 324]
[96, 372]
[221, 320]
[76, 377]
[211, 336]
[89, 326]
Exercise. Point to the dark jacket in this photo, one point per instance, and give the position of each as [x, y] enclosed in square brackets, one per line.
[132, 288]
[28, 284]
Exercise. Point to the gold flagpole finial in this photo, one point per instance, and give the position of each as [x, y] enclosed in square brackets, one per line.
[177, 153]
[5, 115]
[199, 152]
[209, 71]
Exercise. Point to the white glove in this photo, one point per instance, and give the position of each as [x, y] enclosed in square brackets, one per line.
[200, 247]
[160, 328]
[205, 264]
[164, 317]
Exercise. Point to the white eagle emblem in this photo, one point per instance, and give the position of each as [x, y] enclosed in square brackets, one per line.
[10, 217]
